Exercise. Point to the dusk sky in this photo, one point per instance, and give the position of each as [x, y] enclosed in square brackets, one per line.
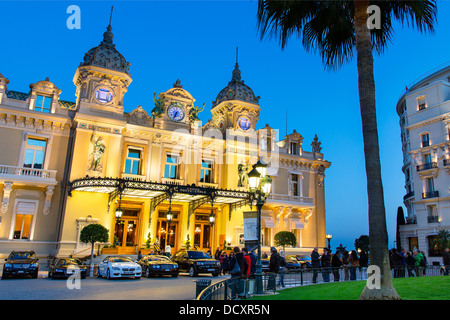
[195, 41]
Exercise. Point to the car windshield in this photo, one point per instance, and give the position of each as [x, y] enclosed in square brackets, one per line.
[67, 262]
[22, 255]
[198, 255]
[120, 259]
[304, 258]
[158, 258]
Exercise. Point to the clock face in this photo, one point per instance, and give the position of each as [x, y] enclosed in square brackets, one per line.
[103, 95]
[244, 123]
[175, 112]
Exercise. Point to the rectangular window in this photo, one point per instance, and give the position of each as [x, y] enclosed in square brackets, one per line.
[43, 104]
[295, 189]
[206, 171]
[171, 168]
[23, 220]
[133, 162]
[293, 148]
[35, 153]
[430, 184]
[432, 211]
[425, 140]
[421, 103]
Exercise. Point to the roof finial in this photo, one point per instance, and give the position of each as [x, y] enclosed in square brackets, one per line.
[237, 55]
[110, 17]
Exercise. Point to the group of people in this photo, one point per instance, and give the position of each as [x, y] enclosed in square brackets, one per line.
[328, 263]
[238, 263]
[414, 263]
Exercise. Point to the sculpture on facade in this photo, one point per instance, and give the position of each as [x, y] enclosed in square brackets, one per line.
[98, 149]
[159, 108]
[193, 113]
[316, 145]
[242, 172]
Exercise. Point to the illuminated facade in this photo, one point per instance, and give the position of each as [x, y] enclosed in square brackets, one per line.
[91, 158]
[424, 111]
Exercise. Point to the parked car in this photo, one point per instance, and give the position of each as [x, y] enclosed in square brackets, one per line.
[66, 267]
[21, 263]
[195, 262]
[118, 267]
[292, 263]
[156, 265]
[303, 260]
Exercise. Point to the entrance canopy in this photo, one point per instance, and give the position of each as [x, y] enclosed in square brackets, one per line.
[159, 192]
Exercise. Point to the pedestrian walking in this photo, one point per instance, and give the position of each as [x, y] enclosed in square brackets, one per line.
[336, 264]
[315, 263]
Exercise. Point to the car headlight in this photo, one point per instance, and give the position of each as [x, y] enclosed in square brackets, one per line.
[59, 270]
[8, 265]
[115, 268]
[34, 265]
[138, 268]
[200, 263]
[218, 263]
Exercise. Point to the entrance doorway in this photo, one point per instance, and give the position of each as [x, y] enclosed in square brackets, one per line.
[126, 230]
[167, 232]
[202, 232]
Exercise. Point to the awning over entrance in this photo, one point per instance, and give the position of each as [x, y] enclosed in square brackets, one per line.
[159, 192]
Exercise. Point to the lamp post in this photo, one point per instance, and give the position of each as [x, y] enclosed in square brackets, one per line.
[261, 185]
[329, 236]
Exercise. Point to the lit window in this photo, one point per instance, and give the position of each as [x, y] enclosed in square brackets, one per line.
[206, 172]
[43, 104]
[171, 167]
[24, 220]
[133, 162]
[421, 103]
[35, 153]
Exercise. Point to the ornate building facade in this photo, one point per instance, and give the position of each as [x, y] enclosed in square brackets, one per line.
[424, 111]
[70, 164]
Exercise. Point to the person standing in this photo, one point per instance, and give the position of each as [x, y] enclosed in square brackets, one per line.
[354, 263]
[274, 263]
[418, 257]
[446, 261]
[336, 265]
[315, 263]
[345, 264]
[410, 262]
[248, 260]
[326, 264]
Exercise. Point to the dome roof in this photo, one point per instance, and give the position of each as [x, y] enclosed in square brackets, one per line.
[106, 55]
[236, 90]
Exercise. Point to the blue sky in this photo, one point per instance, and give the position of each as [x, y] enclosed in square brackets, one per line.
[195, 41]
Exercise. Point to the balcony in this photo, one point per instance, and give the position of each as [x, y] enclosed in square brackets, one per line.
[27, 175]
[430, 194]
[433, 219]
[408, 195]
[411, 220]
[283, 198]
[427, 166]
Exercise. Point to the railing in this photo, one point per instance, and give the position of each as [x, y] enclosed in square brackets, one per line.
[27, 172]
[284, 197]
[430, 194]
[432, 219]
[244, 287]
[427, 166]
[408, 195]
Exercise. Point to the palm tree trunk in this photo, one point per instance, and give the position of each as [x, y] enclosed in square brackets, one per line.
[379, 254]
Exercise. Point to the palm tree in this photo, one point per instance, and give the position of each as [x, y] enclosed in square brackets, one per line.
[337, 29]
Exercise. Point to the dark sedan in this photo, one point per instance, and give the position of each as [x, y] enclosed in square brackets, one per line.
[158, 266]
[21, 263]
[195, 262]
[66, 267]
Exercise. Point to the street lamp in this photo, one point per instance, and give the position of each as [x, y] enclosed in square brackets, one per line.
[329, 236]
[119, 210]
[261, 185]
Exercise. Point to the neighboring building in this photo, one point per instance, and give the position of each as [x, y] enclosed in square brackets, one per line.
[424, 111]
[149, 163]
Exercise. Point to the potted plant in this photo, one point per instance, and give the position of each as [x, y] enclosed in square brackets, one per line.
[93, 233]
[112, 249]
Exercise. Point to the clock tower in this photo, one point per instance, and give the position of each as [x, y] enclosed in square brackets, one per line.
[102, 79]
[236, 107]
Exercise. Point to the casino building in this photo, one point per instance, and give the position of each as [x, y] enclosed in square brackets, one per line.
[153, 177]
